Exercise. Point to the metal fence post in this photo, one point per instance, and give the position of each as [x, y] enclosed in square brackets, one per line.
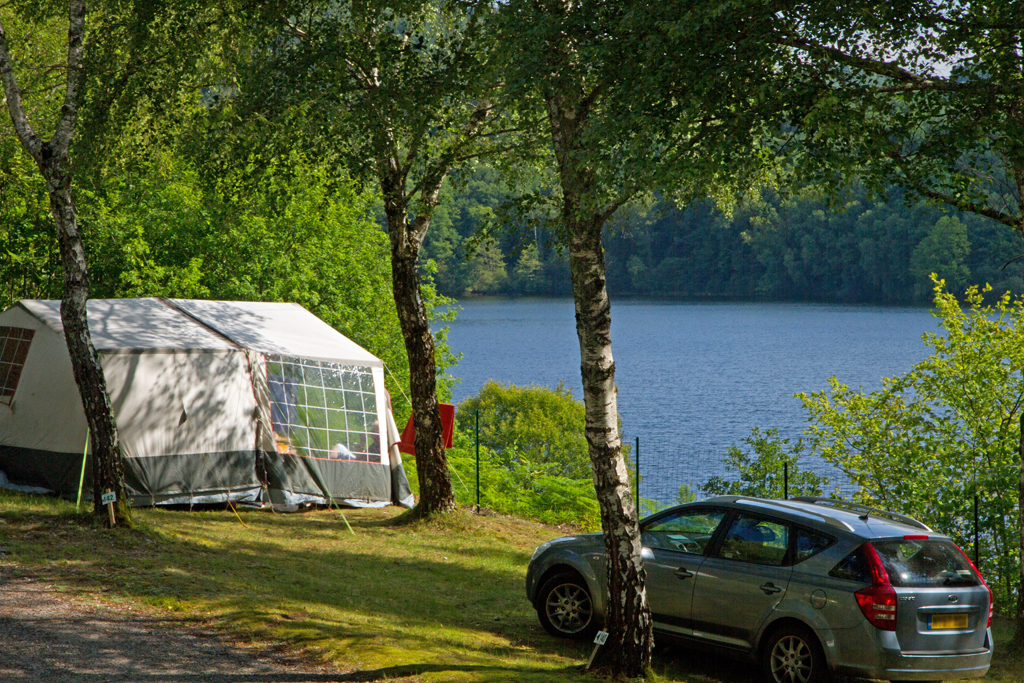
[477, 433]
[785, 480]
[977, 561]
[637, 454]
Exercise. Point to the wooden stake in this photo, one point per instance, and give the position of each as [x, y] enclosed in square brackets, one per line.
[600, 639]
[110, 498]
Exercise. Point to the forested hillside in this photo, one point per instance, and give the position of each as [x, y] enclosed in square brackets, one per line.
[869, 251]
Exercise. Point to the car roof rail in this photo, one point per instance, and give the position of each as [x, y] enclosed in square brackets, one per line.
[822, 515]
[863, 511]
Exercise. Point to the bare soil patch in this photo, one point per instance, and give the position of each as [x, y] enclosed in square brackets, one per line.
[51, 636]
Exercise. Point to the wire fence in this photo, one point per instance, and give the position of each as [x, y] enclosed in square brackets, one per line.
[666, 465]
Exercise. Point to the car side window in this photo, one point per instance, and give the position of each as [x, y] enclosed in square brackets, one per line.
[810, 543]
[686, 531]
[755, 540]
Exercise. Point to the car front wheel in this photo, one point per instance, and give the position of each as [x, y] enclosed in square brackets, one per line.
[565, 607]
[793, 655]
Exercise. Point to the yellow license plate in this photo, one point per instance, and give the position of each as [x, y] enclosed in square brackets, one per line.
[947, 621]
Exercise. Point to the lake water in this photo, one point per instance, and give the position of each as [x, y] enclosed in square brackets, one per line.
[694, 377]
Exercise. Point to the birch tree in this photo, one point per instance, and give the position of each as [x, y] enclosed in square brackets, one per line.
[636, 97]
[53, 159]
[404, 94]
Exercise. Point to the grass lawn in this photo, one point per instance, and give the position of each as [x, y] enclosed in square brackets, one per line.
[430, 602]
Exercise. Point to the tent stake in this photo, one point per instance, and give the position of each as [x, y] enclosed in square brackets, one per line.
[232, 506]
[81, 478]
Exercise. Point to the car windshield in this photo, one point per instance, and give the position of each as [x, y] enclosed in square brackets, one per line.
[922, 563]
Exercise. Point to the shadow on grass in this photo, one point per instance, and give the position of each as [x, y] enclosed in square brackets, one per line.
[313, 583]
[392, 601]
[485, 674]
[695, 663]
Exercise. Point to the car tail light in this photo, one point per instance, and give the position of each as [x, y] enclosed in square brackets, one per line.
[983, 583]
[877, 601]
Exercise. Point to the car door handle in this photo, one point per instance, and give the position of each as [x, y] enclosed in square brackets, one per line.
[770, 588]
[683, 573]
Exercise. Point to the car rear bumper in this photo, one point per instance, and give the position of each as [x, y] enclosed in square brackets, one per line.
[896, 665]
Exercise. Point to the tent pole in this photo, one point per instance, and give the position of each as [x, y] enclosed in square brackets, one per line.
[81, 478]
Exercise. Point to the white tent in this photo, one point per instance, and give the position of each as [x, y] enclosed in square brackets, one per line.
[214, 401]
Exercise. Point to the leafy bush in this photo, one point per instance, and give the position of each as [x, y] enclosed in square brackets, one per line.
[535, 425]
[519, 487]
[762, 471]
[648, 506]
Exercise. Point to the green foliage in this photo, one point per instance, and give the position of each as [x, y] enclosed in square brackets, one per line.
[534, 425]
[155, 224]
[929, 440]
[299, 235]
[525, 489]
[519, 487]
[685, 495]
[29, 260]
[944, 253]
[761, 470]
[918, 94]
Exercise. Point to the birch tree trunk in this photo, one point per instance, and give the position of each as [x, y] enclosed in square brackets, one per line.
[107, 464]
[436, 492]
[628, 619]
[52, 158]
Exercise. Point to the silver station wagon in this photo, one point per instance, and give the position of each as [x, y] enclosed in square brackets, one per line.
[806, 587]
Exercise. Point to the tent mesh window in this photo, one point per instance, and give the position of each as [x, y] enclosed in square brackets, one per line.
[323, 410]
[14, 343]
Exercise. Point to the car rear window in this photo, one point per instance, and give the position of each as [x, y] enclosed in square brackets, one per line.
[922, 563]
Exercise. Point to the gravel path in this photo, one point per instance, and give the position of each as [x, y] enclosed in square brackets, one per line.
[52, 637]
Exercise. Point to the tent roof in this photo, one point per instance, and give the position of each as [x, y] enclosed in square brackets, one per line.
[182, 324]
[281, 328]
[132, 325]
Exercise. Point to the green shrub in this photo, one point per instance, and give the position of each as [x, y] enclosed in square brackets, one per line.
[530, 424]
[762, 470]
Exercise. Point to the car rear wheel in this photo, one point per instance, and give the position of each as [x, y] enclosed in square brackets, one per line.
[793, 655]
[565, 607]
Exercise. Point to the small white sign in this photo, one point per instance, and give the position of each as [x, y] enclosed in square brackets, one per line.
[108, 497]
[601, 638]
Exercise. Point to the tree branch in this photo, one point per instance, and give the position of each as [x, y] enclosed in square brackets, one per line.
[439, 169]
[882, 68]
[296, 31]
[973, 207]
[33, 145]
[76, 47]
